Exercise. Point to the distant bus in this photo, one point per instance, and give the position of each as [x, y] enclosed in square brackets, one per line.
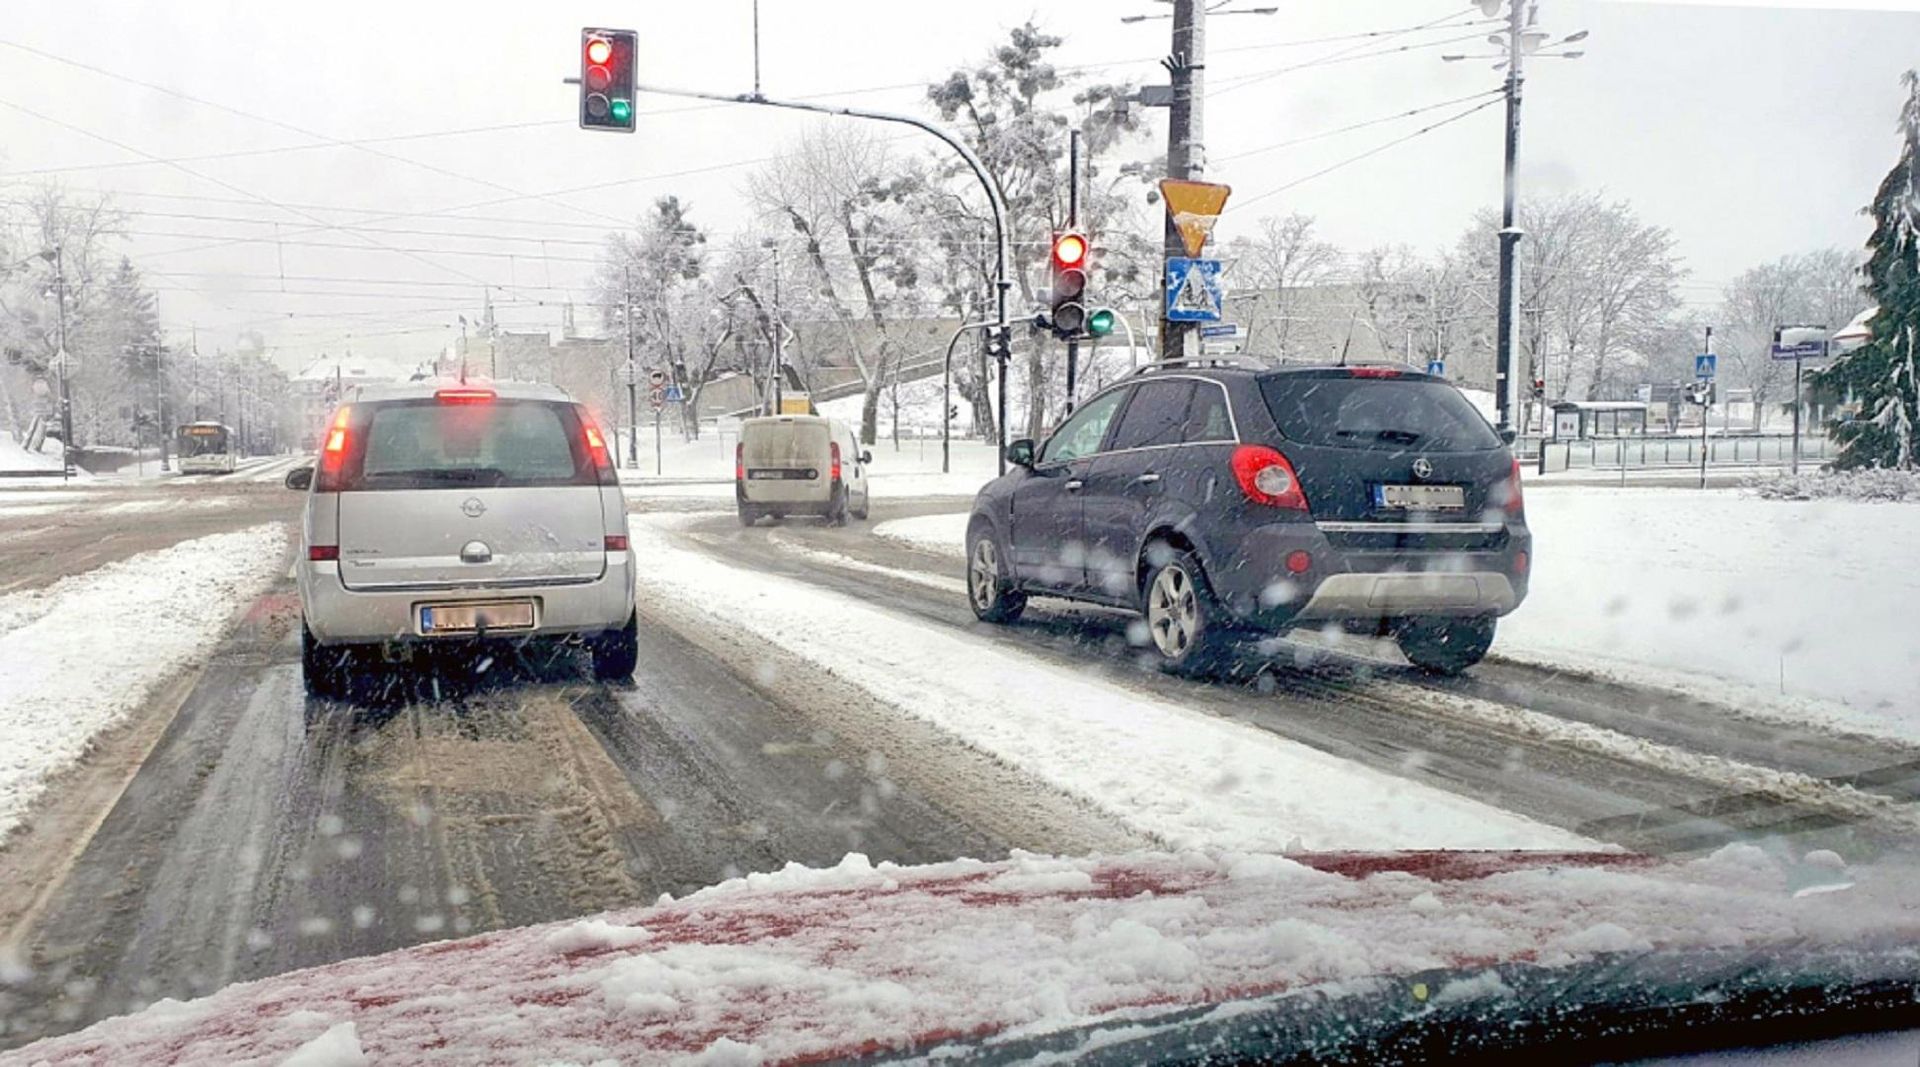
[207, 448]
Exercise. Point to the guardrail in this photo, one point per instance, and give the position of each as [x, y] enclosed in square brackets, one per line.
[1670, 452]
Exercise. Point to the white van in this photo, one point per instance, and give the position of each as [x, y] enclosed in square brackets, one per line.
[799, 465]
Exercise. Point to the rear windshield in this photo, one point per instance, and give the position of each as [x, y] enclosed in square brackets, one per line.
[1389, 414]
[429, 444]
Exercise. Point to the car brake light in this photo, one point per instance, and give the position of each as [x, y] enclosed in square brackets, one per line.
[1375, 372]
[1520, 563]
[616, 542]
[833, 454]
[739, 462]
[596, 446]
[1299, 561]
[336, 448]
[323, 553]
[464, 396]
[1516, 504]
[1267, 478]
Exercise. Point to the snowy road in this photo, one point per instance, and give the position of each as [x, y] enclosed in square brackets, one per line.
[235, 828]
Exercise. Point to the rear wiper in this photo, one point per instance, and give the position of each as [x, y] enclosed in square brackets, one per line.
[1404, 437]
[443, 474]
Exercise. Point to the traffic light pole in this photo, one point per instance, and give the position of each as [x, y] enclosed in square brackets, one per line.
[946, 396]
[1001, 283]
[1073, 223]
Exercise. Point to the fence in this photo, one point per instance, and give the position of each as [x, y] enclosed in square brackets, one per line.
[1679, 451]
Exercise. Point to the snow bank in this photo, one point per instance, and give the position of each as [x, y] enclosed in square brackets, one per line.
[79, 655]
[1185, 777]
[864, 958]
[942, 535]
[1869, 485]
[15, 458]
[1802, 609]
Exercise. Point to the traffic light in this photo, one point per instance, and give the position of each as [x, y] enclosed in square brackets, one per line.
[1539, 388]
[1069, 315]
[606, 79]
[1101, 322]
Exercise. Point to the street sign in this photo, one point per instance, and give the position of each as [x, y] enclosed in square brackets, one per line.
[63, 362]
[1705, 365]
[629, 373]
[656, 399]
[1193, 290]
[1437, 368]
[1225, 331]
[656, 377]
[676, 395]
[1801, 350]
[1194, 208]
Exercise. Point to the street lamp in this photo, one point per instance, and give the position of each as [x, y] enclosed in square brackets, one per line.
[1213, 10]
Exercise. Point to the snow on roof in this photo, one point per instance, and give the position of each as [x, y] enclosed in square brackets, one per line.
[858, 958]
[1857, 331]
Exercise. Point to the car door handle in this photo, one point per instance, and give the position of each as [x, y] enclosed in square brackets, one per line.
[1074, 484]
[1148, 478]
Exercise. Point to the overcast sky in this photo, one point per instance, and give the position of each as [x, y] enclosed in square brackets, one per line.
[1752, 132]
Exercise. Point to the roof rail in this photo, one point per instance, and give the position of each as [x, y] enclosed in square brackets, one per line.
[1205, 361]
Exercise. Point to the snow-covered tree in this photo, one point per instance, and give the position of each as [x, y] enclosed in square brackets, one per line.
[1882, 373]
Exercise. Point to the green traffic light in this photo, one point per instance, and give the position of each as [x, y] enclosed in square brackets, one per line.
[622, 110]
[1101, 322]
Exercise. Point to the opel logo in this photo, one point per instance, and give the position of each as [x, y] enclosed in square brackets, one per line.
[1422, 469]
[473, 507]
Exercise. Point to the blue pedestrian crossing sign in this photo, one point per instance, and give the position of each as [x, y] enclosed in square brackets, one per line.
[675, 395]
[1193, 290]
[1704, 366]
[1437, 368]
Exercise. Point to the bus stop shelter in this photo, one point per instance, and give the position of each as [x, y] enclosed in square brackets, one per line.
[1583, 419]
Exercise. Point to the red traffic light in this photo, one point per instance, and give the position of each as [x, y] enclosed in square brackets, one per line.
[1069, 250]
[599, 50]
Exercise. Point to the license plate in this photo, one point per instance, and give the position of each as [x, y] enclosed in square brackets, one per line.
[472, 618]
[1420, 497]
[781, 475]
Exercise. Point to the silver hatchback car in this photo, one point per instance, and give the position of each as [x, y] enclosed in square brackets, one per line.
[451, 512]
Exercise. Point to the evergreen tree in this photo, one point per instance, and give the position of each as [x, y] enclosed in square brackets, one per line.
[1881, 373]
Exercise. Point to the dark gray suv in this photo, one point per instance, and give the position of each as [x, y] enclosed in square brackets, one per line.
[1222, 502]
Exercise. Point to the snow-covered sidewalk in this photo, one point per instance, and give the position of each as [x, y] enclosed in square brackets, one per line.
[1184, 777]
[79, 655]
[1794, 609]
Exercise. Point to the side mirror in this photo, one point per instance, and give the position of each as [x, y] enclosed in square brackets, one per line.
[300, 478]
[1508, 435]
[866, 456]
[1020, 453]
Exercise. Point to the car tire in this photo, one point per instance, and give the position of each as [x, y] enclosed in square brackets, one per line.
[837, 511]
[326, 671]
[617, 652]
[748, 516]
[990, 589]
[866, 503]
[1186, 626]
[1444, 646]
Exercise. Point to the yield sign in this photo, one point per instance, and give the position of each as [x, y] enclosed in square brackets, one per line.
[1194, 208]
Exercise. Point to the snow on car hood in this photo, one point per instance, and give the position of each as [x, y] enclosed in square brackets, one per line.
[859, 958]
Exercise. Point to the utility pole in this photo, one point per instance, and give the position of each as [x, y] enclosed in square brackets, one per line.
[632, 373]
[1073, 223]
[779, 337]
[66, 396]
[1186, 154]
[1509, 236]
[160, 389]
[1706, 395]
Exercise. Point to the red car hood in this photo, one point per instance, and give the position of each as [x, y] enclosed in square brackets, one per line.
[806, 965]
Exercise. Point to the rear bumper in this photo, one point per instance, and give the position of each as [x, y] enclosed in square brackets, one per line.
[1381, 581]
[790, 497]
[337, 615]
